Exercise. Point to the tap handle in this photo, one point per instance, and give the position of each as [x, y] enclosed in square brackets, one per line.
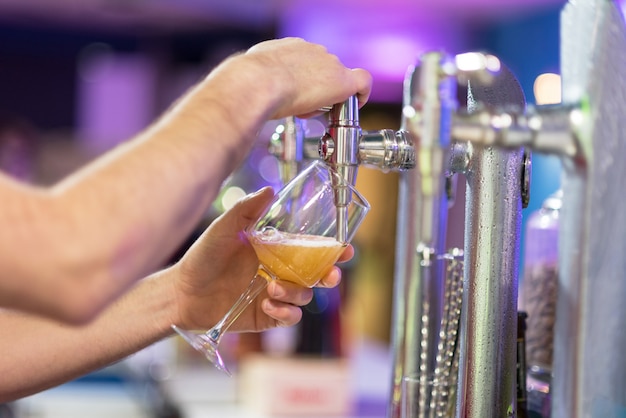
[339, 146]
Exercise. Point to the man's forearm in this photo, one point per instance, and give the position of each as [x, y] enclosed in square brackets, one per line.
[38, 353]
[69, 251]
[119, 218]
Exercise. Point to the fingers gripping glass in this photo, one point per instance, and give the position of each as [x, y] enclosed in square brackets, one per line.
[295, 239]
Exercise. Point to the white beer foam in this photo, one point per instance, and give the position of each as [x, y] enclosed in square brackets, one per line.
[274, 236]
[317, 242]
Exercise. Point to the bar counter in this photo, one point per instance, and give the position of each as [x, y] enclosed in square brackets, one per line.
[201, 391]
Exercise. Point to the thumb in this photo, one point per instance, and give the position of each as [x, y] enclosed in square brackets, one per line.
[249, 208]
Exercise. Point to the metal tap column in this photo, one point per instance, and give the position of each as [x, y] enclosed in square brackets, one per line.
[589, 370]
[488, 330]
[422, 218]
[489, 309]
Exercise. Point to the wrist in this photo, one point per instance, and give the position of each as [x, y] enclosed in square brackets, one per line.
[252, 80]
[159, 299]
[231, 105]
[245, 89]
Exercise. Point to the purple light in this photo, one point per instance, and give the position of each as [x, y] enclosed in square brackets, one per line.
[383, 37]
[115, 96]
[622, 6]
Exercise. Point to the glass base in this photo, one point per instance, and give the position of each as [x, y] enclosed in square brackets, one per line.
[206, 345]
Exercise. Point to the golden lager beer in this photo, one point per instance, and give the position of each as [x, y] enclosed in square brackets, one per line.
[302, 259]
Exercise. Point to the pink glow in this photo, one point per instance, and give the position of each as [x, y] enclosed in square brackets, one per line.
[622, 5]
[115, 96]
[384, 38]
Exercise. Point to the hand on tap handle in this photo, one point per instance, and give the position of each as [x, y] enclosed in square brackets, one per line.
[339, 146]
[305, 91]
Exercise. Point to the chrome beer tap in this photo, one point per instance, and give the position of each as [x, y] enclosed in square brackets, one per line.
[424, 143]
[339, 147]
[494, 201]
[344, 147]
[488, 143]
[385, 149]
[588, 132]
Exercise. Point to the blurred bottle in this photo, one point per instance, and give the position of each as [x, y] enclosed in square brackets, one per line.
[522, 405]
[538, 299]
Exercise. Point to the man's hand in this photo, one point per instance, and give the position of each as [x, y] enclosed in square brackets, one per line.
[218, 267]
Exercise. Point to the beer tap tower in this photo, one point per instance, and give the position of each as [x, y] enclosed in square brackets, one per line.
[424, 152]
[589, 133]
[475, 364]
[484, 347]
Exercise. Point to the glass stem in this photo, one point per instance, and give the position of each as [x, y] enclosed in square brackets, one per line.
[256, 286]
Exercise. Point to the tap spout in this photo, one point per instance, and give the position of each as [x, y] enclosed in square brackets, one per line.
[339, 147]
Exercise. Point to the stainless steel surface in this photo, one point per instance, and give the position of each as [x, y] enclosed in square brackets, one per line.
[549, 129]
[497, 181]
[488, 330]
[486, 145]
[496, 185]
[589, 368]
[344, 147]
[492, 232]
[422, 219]
[287, 145]
[387, 150]
[339, 147]
[473, 67]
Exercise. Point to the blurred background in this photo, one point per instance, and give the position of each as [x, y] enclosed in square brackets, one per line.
[77, 77]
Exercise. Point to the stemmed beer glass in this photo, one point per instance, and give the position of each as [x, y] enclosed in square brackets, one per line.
[295, 239]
